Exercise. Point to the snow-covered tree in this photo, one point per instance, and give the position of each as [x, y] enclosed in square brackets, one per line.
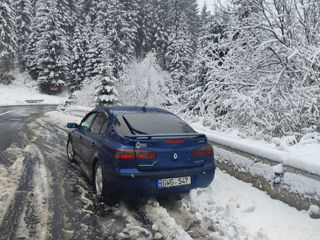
[106, 93]
[23, 9]
[78, 59]
[7, 37]
[179, 55]
[144, 83]
[51, 48]
[267, 81]
[121, 37]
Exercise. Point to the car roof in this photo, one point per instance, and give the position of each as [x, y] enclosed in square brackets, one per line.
[120, 110]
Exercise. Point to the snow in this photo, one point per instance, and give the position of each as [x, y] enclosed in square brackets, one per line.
[164, 222]
[18, 92]
[9, 178]
[240, 211]
[305, 155]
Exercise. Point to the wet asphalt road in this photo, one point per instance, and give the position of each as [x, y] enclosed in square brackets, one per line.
[13, 119]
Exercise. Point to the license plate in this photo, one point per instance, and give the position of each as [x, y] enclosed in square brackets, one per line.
[173, 182]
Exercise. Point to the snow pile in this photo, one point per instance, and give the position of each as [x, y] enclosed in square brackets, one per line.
[163, 222]
[238, 211]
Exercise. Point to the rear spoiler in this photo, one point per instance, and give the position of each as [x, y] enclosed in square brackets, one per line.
[166, 136]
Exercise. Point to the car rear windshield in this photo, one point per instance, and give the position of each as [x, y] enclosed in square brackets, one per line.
[150, 123]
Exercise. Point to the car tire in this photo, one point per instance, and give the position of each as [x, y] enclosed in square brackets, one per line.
[70, 151]
[100, 186]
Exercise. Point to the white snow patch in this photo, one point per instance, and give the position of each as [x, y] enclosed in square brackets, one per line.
[63, 118]
[17, 95]
[167, 225]
[240, 211]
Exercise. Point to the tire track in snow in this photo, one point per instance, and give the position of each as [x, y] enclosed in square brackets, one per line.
[74, 214]
[11, 219]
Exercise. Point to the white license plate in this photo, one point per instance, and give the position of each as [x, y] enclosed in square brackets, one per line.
[173, 182]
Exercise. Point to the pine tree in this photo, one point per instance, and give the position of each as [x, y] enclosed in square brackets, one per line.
[23, 29]
[30, 57]
[121, 37]
[105, 93]
[78, 59]
[159, 30]
[51, 48]
[7, 37]
[179, 54]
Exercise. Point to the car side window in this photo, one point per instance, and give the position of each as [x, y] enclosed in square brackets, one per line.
[98, 124]
[104, 128]
[86, 123]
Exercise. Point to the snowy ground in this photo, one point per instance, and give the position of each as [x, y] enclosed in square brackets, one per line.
[230, 208]
[18, 92]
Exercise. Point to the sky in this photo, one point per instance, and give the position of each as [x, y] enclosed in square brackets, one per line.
[209, 4]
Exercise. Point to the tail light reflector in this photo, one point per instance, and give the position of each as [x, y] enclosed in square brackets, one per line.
[175, 141]
[134, 154]
[202, 151]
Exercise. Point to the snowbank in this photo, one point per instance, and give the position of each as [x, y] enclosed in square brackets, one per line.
[304, 155]
[239, 211]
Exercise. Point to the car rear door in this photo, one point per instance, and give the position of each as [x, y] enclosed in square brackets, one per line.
[91, 139]
[78, 137]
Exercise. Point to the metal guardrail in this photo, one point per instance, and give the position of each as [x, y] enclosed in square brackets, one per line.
[268, 161]
[276, 190]
[35, 101]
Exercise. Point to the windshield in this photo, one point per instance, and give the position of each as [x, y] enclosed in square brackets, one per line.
[151, 123]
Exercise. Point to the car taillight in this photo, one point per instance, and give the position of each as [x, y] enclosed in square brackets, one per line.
[125, 154]
[134, 154]
[202, 151]
[145, 154]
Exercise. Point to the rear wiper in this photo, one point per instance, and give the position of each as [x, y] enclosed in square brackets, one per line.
[132, 130]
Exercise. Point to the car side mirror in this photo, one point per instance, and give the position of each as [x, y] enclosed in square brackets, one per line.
[72, 125]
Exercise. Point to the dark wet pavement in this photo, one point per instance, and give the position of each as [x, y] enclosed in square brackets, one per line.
[13, 119]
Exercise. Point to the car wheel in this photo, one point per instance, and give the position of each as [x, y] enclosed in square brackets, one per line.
[70, 151]
[98, 181]
[100, 186]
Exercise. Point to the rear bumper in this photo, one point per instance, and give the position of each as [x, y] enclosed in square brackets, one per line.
[145, 184]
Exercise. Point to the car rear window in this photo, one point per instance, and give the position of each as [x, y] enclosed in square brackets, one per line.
[150, 123]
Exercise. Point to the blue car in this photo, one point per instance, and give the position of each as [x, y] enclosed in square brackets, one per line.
[139, 151]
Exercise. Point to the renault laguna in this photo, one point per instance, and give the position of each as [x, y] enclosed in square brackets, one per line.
[140, 151]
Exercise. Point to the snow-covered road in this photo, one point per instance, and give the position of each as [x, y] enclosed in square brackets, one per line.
[43, 196]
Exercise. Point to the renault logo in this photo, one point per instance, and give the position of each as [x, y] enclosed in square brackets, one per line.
[175, 156]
